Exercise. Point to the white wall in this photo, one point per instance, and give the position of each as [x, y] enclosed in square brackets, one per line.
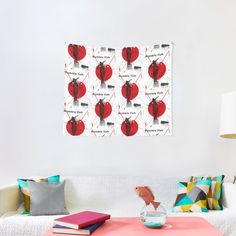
[32, 36]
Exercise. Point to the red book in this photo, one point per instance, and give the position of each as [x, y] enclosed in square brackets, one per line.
[82, 219]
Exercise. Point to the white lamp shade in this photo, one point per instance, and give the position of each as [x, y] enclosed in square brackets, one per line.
[228, 115]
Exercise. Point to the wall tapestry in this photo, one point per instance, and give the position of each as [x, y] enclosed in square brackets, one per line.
[110, 91]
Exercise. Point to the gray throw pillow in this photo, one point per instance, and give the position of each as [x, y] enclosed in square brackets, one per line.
[47, 198]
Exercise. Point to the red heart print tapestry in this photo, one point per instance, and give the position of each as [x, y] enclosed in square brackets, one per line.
[118, 92]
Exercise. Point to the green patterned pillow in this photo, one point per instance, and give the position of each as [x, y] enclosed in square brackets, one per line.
[23, 185]
[192, 196]
[214, 197]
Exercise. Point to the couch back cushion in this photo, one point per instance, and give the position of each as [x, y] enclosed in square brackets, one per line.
[115, 194]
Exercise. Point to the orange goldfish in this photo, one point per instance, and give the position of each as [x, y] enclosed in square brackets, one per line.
[146, 194]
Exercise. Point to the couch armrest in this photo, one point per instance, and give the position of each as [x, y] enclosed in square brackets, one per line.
[229, 195]
[9, 198]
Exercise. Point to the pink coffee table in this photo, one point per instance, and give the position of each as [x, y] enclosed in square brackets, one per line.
[175, 226]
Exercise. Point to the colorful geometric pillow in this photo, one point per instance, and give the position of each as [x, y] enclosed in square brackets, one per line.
[214, 196]
[192, 197]
[23, 185]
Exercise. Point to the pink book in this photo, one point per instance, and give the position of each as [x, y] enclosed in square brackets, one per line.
[81, 219]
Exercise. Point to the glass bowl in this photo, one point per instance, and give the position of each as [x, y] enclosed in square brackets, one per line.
[152, 218]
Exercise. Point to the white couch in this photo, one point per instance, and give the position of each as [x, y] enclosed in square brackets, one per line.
[111, 194]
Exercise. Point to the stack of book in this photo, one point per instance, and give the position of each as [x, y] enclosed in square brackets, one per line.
[83, 223]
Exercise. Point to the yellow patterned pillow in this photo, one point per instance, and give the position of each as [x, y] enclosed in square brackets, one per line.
[192, 196]
[214, 196]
